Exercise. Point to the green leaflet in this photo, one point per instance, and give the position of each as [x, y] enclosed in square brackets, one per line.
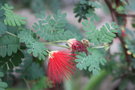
[8, 45]
[12, 19]
[37, 5]
[3, 28]
[53, 28]
[2, 16]
[34, 47]
[26, 36]
[3, 85]
[85, 9]
[91, 61]
[9, 62]
[37, 49]
[100, 36]
[30, 70]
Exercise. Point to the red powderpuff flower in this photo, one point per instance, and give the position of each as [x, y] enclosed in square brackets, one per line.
[60, 66]
[77, 46]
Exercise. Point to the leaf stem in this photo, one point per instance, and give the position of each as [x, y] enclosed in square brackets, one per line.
[60, 41]
[50, 43]
[11, 34]
[27, 84]
[102, 46]
[98, 47]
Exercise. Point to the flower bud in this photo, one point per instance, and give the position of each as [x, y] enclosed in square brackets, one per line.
[77, 46]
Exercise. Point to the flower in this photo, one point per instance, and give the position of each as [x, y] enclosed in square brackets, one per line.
[60, 65]
[77, 46]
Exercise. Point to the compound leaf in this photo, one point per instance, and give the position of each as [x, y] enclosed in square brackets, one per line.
[91, 61]
[8, 45]
[9, 62]
[29, 69]
[53, 28]
[34, 47]
[12, 19]
[37, 49]
[99, 36]
[3, 28]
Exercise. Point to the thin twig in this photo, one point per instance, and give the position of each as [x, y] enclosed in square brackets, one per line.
[114, 14]
[27, 84]
[50, 43]
[11, 34]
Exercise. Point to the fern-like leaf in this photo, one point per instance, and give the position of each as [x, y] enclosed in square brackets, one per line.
[29, 69]
[53, 28]
[3, 28]
[26, 36]
[98, 36]
[91, 61]
[8, 45]
[9, 62]
[34, 47]
[12, 19]
[38, 50]
[85, 9]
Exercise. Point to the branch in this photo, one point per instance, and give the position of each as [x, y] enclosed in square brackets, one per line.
[126, 15]
[113, 11]
[114, 15]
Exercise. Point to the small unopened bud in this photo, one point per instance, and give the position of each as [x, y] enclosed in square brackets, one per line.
[85, 42]
[76, 46]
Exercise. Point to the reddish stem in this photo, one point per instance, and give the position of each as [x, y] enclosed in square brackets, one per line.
[114, 14]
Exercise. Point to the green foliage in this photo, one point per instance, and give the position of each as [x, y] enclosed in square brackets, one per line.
[96, 80]
[34, 47]
[74, 30]
[2, 14]
[53, 28]
[130, 41]
[3, 28]
[8, 45]
[85, 8]
[3, 85]
[9, 62]
[12, 19]
[99, 36]
[29, 69]
[54, 5]
[91, 61]
[35, 69]
[26, 36]
[37, 49]
[41, 84]
[37, 5]
[2, 2]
